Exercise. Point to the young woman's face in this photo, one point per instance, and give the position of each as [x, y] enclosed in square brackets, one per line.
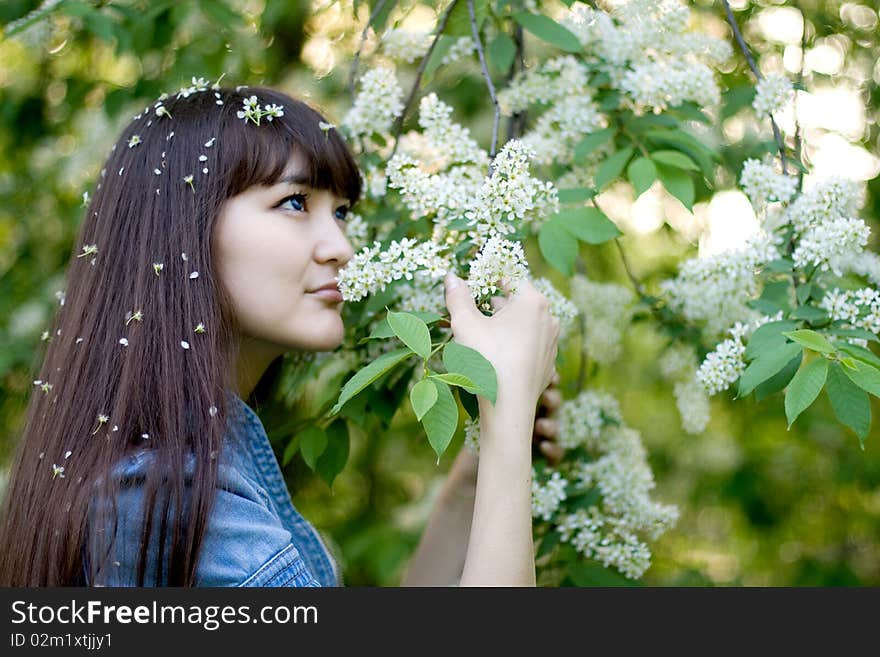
[276, 246]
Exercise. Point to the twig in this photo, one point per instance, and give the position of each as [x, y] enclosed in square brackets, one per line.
[517, 121]
[398, 126]
[743, 46]
[637, 284]
[798, 137]
[479, 44]
[357, 55]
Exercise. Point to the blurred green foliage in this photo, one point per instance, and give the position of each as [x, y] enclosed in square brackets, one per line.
[760, 505]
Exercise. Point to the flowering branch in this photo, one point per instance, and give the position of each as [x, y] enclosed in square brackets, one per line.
[798, 137]
[357, 55]
[398, 126]
[743, 46]
[517, 121]
[479, 45]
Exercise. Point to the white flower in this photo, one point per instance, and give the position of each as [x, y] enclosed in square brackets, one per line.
[273, 111]
[560, 307]
[200, 328]
[138, 316]
[722, 366]
[57, 471]
[404, 45]
[772, 94]
[831, 243]
[547, 497]
[157, 267]
[693, 405]
[88, 249]
[472, 435]
[210, 142]
[499, 258]
[134, 141]
[212, 411]
[188, 179]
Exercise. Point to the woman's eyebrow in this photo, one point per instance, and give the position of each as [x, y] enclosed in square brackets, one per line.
[297, 178]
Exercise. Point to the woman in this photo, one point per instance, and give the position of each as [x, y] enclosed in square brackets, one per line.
[210, 248]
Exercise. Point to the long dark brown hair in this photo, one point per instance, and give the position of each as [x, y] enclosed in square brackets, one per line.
[147, 211]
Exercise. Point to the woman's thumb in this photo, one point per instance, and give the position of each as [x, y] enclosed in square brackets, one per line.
[458, 297]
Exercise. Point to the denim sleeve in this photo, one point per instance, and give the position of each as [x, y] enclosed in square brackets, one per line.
[245, 543]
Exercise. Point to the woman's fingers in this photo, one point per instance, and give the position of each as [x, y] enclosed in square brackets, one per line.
[551, 398]
[552, 451]
[547, 427]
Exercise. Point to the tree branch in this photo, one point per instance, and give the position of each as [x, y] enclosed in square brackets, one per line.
[398, 126]
[357, 56]
[743, 46]
[798, 137]
[479, 44]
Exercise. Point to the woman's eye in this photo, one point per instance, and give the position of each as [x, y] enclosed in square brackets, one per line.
[297, 202]
[342, 212]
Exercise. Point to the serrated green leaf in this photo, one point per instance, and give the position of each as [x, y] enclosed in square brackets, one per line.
[463, 360]
[678, 183]
[459, 380]
[803, 293]
[576, 194]
[368, 374]
[502, 51]
[591, 142]
[641, 173]
[558, 246]
[441, 421]
[313, 442]
[675, 159]
[811, 340]
[611, 168]
[809, 313]
[804, 388]
[335, 455]
[851, 404]
[412, 331]
[423, 396]
[765, 366]
[779, 380]
[546, 29]
[778, 293]
[780, 265]
[859, 353]
[767, 336]
[861, 334]
[459, 23]
[589, 225]
[865, 376]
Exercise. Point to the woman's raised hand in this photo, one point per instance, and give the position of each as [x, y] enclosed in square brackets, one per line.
[520, 339]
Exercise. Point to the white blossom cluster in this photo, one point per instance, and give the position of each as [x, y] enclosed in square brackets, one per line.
[472, 435]
[830, 199]
[763, 185]
[607, 309]
[581, 419]
[608, 531]
[452, 141]
[371, 269]
[560, 307]
[831, 244]
[555, 80]
[423, 295]
[511, 195]
[678, 364]
[644, 46]
[461, 48]
[499, 258]
[858, 308]
[715, 289]
[722, 366]
[378, 103]
[866, 263]
[405, 45]
[772, 94]
[356, 230]
[547, 497]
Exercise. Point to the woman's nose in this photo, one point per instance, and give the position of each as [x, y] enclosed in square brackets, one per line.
[333, 244]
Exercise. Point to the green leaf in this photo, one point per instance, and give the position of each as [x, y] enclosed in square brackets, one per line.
[853, 333]
[611, 168]
[576, 194]
[444, 43]
[675, 159]
[463, 360]
[779, 380]
[502, 51]
[767, 336]
[558, 246]
[546, 29]
[810, 314]
[591, 142]
[313, 442]
[381, 18]
[778, 294]
[460, 380]
[368, 374]
[780, 265]
[412, 331]
[423, 396]
[290, 451]
[803, 293]
[851, 404]
[804, 388]
[769, 363]
[459, 24]
[811, 340]
[335, 455]
[678, 183]
[641, 173]
[441, 421]
[589, 225]
[865, 376]
[550, 541]
[859, 353]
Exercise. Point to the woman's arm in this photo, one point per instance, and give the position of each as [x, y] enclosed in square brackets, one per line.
[439, 557]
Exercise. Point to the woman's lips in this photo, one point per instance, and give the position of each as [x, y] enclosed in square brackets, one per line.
[329, 294]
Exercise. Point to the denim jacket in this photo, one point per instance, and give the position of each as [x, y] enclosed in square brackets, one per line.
[254, 537]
